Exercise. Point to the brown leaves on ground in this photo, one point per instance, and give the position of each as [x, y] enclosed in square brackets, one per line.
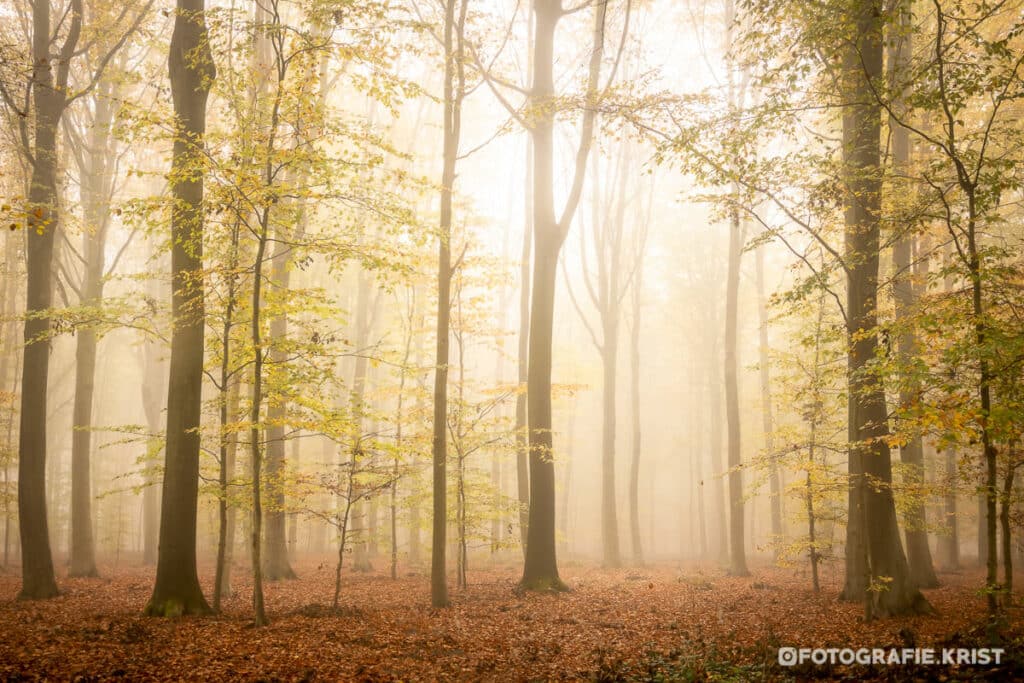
[610, 626]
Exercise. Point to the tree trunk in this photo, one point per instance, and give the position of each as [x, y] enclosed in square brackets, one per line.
[540, 569]
[919, 556]
[717, 466]
[228, 388]
[154, 391]
[276, 565]
[737, 549]
[256, 539]
[872, 513]
[222, 574]
[951, 539]
[190, 63]
[414, 512]
[563, 520]
[610, 394]
[357, 526]
[453, 94]
[811, 534]
[697, 464]
[767, 420]
[83, 554]
[96, 181]
[9, 379]
[399, 443]
[49, 100]
[634, 397]
[1004, 522]
[522, 438]
[983, 529]
[293, 516]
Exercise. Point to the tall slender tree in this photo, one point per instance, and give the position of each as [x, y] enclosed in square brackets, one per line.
[95, 179]
[49, 99]
[737, 550]
[640, 242]
[919, 556]
[736, 94]
[191, 68]
[48, 88]
[540, 570]
[454, 93]
[522, 359]
[767, 419]
[877, 570]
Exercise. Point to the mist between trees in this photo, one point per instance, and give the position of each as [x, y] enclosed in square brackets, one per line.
[444, 283]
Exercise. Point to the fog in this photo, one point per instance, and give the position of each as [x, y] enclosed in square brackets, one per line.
[682, 173]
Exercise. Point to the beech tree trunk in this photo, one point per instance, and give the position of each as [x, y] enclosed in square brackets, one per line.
[522, 438]
[919, 556]
[49, 94]
[154, 391]
[255, 447]
[767, 419]
[9, 369]
[357, 523]
[190, 64]
[717, 466]
[276, 564]
[83, 554]
[96, 180]
[228, 399]
[737, 550]
[875, 558]
[228, 510]
[609, 397]
[950, 540]
[454, 82]
[634, 400]
[983, 530]
[697, 469]
[540, 569]
[1005, 502]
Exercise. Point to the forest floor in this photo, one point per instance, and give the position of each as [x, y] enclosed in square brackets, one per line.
[652, 623]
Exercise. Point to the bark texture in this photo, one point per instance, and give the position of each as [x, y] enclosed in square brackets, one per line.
[190, 64]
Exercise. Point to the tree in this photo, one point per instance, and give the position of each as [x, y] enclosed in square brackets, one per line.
[962, 117]
[609, 277]
[96, 154]
[454, 93]
[639, 254]
[737, 551]
[9, 377]
[919, 555]
[767, 418]
[49, 89]
[876, 566]
[522, 359]
[537, 116]
[49, 93]
[540, 570]
[809, 426]
[736, 94]
[191, 69]
[607, 286]
[49, 97]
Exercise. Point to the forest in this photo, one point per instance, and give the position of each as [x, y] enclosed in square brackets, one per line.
[512, 340]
